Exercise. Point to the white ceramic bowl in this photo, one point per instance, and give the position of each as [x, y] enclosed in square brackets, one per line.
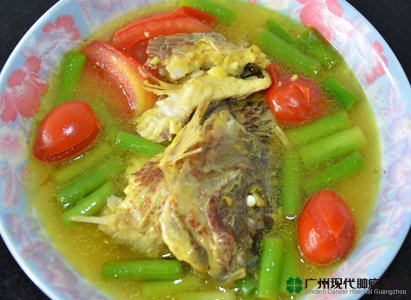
[23, 81]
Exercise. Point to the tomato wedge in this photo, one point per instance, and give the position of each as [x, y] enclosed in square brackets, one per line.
[296, 101]
[124, 70]
[196, 13]
[139, 51]
[273, 72]
[183, 11]
[66, 130]
[325, 228]
[157, 26]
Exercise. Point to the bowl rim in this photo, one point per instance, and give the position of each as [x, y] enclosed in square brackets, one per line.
[41, 284]
[53, 10]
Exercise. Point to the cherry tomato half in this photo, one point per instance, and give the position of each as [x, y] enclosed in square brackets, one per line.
[296, 101]
[325, 228]
[66, 130]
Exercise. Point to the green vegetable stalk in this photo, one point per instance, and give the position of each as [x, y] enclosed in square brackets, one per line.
[317, 129]
[338, 91]
[91, 204]
[81, 186]
[316, 46]
[152, 269]
[77, 167]
[71, 70]
[220, 12]
[271, 265]
[339, 144]
[287, 54]
[340, 170]
[291, 184]
[137, 144]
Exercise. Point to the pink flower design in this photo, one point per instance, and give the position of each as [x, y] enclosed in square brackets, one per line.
[354, 267]
[400, 131]
[380, 66]
[12, 152]
[325, 16]
[22, 229]
[13, 182]
[52, 267]
[13, 146]
[400, 168]
[57, 37]
[103, 5]
[23, 91]
[63, 26]
[392, 218]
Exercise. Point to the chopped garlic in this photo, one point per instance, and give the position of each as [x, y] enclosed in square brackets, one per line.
[146, 34]
[294, 77]
[251, 201]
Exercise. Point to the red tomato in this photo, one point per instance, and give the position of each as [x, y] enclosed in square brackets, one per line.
[325, 228]
[66, 130]
[196, 13]
[182, 12]
[124, 70]
[296, 101]
[273, 72]
[139, 51]
[153, 27]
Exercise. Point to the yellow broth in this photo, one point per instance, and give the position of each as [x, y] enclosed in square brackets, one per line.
[86, 248]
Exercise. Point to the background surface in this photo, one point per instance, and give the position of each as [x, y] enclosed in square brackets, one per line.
[390, 17]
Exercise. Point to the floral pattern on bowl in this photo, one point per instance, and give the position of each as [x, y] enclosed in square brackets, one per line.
[24, 80]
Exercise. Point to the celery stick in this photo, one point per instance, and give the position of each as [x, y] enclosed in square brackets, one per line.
[220, 12]
[339, 144]
[247, 287]
[319, 128]
[90, 159]
[291, 264]
[291, 184]
[271, 264]
[91, 204]
[339, 92]
[71, 70]
[164, 289]
[137, 144]
[287, 54]
[316, 46]
[281, 32]
[150, 269]
[344, 168]
[81, 186]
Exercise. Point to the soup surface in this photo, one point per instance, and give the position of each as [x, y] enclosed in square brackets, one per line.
[87, 248]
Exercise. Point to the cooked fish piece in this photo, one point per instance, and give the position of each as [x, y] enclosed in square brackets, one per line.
[253, 113]
[135, 220]
[208, 68]
[210, 175]
[191, 200]
[178, 56]
[163, 121]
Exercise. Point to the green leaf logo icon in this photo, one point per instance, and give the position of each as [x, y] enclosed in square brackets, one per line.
[294, 285]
